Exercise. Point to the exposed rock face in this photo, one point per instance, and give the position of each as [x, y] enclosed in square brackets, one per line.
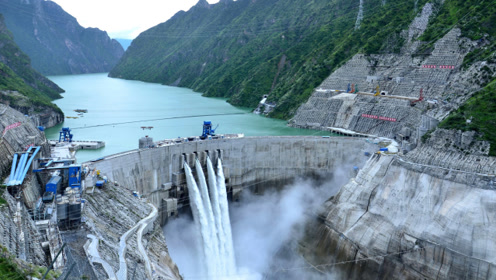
[399, 219]
[18, 233]
[23, 88]
[40, 115]
[458, 141]
[121, 212]
[401, 79]
[18, 138]
[396, 76]
[19, 63]
[55, 41]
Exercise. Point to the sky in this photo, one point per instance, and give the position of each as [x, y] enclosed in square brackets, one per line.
[124, 19]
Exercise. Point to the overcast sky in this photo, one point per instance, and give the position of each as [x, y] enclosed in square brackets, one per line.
[124, 18]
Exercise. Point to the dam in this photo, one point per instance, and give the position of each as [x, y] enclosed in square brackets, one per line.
[249, 162]
[341, 230]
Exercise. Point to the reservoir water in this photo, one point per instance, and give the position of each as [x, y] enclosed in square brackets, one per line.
[117, 109]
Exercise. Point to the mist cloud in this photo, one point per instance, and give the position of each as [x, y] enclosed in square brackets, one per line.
[265, 228]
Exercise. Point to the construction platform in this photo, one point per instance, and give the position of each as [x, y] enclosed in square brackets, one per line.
[81, 145]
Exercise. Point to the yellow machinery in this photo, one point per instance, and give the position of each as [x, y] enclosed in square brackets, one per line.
[377, 91]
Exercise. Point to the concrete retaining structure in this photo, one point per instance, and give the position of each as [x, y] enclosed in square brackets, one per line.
[255, 162]
[401, 220]
[401, 79]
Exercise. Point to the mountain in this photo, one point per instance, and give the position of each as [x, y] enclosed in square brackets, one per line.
[22, 87]
[55, 41]
[245, 49]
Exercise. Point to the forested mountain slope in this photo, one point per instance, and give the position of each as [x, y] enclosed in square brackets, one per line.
[245, 49]
[22, 87]
[55, 41]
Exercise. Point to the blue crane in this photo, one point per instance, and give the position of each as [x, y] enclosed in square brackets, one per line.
[207, 130]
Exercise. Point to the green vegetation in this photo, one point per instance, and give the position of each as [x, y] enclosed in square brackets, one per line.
[12, 82]
[8, 268]
[244, 49]
[2, 190]
[55, 41]
[480, 109]
[39, 271]
[475, 18]
[23, 87]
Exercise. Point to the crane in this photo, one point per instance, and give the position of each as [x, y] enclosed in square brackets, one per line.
[421, 97]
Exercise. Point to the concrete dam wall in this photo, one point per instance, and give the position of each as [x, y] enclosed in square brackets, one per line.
[255, 162]
[402, 220]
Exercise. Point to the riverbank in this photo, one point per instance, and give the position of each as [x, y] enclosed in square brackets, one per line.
[118, 109]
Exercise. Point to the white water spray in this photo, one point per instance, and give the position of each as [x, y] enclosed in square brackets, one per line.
[211, 215]
[214, 196]
[226, 221]
[201, 222]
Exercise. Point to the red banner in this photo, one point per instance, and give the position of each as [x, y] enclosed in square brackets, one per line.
[440, 66]
[379, 118]
[10, 127]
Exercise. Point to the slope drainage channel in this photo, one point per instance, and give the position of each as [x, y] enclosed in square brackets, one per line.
[144, 224]
[94, 255]
[122, 273]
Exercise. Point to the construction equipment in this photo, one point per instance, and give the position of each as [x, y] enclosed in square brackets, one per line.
[421, 97]
[207, 130]
[21, 164]
[377, 91]
[65, 135]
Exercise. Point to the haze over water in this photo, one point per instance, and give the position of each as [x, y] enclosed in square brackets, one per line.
[114, 101]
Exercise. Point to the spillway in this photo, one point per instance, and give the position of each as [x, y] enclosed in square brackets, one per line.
[182, 177]
[211, 220]
[256, 163]
[225, 220]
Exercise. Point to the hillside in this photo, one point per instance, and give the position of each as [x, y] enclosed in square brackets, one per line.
[22, 87]
[245, 49]
[478, 22]
[55, 41]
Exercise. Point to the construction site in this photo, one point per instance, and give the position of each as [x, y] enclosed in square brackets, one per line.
[399, 96]
[408, 207]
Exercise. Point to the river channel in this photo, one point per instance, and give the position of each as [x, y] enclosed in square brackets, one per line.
[118, 109]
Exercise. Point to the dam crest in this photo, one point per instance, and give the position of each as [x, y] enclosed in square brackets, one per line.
[248, 162]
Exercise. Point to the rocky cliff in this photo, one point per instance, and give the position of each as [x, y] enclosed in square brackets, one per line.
[407, 220]
[18, 132]
[415, 89]
[18, 233]
[108, 225]
[55, 41]
[22, 87]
